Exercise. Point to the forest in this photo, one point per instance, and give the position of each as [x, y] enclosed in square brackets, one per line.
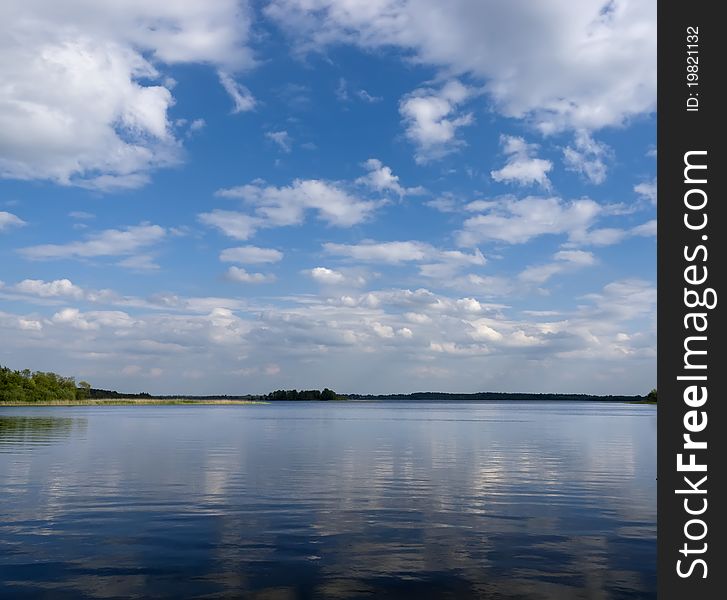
[39, 386]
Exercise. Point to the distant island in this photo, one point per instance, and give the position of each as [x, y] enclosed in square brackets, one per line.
[38, 387]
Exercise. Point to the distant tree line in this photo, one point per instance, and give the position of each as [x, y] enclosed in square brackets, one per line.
[38, 386]
[277, 395]
[498, 396]
[98, 394]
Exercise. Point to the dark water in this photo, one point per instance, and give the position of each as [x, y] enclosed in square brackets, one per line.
[314, 500]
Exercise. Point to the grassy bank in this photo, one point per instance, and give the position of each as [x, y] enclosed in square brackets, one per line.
[133, 402]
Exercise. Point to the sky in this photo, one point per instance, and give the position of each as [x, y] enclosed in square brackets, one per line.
[375, 196]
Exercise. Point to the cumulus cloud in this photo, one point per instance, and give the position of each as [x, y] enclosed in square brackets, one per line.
[59, 288]
[339, 204]
[333, 277]
[432, 117]
[240, 275]
[8, 220]
[85, 101]
[110, 242]
[237, 225]
[327, 276]
[587, 157]
[381, 252]
[522, 167]
[287, 205]
[251, 255]
[434, 262]
[517, 221]
[337, 335]
[381, 179]
[555, 64]
[445, 263]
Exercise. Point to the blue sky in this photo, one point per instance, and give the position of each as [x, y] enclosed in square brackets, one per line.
[376, 197]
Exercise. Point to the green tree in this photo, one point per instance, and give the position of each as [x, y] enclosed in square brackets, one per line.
[651, 397]
[327, 394]
[38, 386]
[83, 391]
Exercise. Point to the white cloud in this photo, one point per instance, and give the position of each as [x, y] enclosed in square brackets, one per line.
[85, 101]
[281, 139]
[647, 190]
[52, 292]
[517, 221]
[197, 125]
[8, 220]
[436, 263]
[448, 262]
[327, 276]
[556, 64]
[62, 288]
[242, 276]
[382, 331]
[484, 286]
[73, 318]
[339, 204]
[346, 278]
[366, 97]
[139, 262]
[608, 236]
[522, 167]
[110, 242]
[431, 119]
[251, 255]
[587, 157]
[482, 331]
[381, 252]
[381, 179]
[445, 203]
[242, 98]
[342, 93]
[29, 324]
[236, 225]
[337, 337]
[93, 320]
[564, 261]
[280, 206]
[647, 229]
[417, 317]
[625, 299]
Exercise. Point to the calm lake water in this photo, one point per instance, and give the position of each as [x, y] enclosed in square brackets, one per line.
[313, 500]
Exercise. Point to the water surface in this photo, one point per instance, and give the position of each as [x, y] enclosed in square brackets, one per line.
[315, 500]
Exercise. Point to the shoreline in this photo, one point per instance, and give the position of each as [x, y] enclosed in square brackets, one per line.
[221, 402]
[135, 402]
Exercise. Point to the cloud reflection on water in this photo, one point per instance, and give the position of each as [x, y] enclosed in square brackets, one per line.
[461, 500]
